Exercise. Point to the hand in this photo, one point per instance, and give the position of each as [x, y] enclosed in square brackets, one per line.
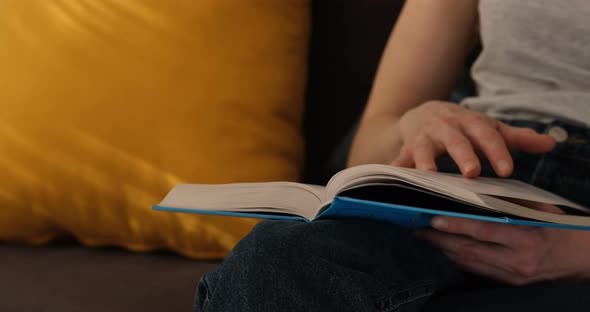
[517, 255]
[434, 128]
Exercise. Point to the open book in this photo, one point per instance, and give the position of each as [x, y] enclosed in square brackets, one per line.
[408, 197]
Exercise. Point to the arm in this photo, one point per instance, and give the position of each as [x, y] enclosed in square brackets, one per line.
[421, 60]
[407, 124]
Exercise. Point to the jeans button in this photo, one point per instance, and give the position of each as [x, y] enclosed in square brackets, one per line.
[558, 133]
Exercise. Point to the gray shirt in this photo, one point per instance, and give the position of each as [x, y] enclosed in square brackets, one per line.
[535, 62]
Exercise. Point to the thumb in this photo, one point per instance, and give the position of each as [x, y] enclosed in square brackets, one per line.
[526, 139]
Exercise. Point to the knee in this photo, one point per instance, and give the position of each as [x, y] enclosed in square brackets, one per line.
[270, 239]
[261, 263]
[272, 246]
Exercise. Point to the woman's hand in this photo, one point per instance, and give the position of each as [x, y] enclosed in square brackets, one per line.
[517, 255]
[435, 127]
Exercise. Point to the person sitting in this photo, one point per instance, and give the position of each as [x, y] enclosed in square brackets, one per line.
[530, 120]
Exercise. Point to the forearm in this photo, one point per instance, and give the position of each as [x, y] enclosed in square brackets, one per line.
[419, 64]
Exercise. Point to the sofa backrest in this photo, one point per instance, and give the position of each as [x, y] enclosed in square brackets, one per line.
[346, 44]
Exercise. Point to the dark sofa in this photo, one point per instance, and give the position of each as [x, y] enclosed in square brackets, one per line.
[346, 44]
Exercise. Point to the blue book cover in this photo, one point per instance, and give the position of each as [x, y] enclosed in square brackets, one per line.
[414, 217]
[352, 208]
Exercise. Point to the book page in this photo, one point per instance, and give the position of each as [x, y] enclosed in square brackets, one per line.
[503, 188]
[271, 197]
[531, 213]
[452, 185]
[375, 173]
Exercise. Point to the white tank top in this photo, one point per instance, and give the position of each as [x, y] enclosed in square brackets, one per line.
[535, 62]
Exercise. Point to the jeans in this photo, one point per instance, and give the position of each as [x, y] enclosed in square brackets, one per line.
[359, 265]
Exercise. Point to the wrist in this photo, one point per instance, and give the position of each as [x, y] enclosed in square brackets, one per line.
[378, 140]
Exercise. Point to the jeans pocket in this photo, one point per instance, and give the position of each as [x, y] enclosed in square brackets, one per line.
[202, 295]
[407, 297]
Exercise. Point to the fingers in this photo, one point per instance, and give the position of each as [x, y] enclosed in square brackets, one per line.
[467, 250]
[492, 260]
[459, 148]
[526, 139]
[437, 127]
[424, 154]
[512, 248]
[498, 233]
[420, 155]
[482, 131]
[404, 159]
[490, 271]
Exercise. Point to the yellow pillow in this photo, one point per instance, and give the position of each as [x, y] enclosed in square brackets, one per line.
[105, 105]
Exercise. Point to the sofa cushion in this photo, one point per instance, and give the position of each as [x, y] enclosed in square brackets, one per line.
[67, 277]
[106, 105]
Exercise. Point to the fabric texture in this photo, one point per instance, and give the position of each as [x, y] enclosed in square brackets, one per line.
[106, 105]
[535, 62]
[64, 277]
[360, 265]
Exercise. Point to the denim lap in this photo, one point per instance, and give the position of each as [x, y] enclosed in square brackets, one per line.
[327, 266]
[358, 265]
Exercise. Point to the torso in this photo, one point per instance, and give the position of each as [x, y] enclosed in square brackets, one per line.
[535, 62]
